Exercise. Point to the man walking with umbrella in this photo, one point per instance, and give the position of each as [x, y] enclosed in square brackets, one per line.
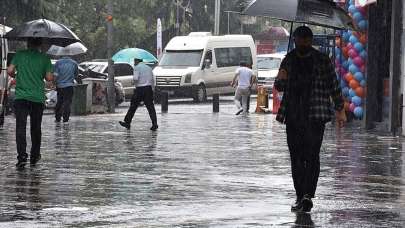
[32, 68]
[308, 80]
[144, 83]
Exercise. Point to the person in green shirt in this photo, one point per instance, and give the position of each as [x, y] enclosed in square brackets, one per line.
[30, 67]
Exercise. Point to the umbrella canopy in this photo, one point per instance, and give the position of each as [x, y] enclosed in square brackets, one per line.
[50, 32]
[128, 55]
[72, 49]
[318, 12]
[4, 29]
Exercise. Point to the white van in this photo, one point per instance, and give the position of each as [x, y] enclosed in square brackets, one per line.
[268, 66]
[200, 65]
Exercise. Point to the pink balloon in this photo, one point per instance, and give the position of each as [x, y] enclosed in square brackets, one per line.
[353, 53]
[349, 46]
[352, 107]
[362, 10]
[358, 61]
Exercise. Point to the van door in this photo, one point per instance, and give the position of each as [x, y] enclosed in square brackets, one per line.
[209, 72]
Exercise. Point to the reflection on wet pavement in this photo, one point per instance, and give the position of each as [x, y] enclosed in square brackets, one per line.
[199, 170]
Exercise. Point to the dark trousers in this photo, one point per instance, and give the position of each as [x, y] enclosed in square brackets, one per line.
[144, 94]
[23, 108]
[304, 142]
[3, 111]
[63, 104]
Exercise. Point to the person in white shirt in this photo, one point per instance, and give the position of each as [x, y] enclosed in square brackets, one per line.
[244, 79]
[144, 83]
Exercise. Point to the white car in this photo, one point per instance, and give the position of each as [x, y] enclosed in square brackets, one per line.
[268, 66]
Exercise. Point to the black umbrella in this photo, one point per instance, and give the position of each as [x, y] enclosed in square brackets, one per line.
[50, 32]
[318, 12]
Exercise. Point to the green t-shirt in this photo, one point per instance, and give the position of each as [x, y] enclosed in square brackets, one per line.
[31, 66]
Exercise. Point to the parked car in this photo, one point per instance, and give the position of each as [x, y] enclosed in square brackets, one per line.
[200, 65]
[268, 66]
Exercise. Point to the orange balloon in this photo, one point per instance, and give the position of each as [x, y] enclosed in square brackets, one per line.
[359, 91]
[363, 39]
[349, 77]
[354, 84]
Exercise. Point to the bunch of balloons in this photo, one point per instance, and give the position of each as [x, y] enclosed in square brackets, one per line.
[351, 56]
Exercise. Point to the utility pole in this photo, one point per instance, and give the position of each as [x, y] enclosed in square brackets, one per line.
[177, 18]
[217, 16]
[110, 82]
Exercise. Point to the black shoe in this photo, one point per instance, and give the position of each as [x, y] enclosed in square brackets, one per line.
[65, 121]
[34, 161]
[297, 206]
[21, 164]
[154, 127]
[57, 121]
[307, 204]
[125, 124]
[239, 112]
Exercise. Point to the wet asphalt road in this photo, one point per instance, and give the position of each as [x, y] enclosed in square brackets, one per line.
[199, 170]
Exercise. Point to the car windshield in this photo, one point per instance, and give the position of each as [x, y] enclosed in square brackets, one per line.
[268, 63]
[181, 58]
[93, 67]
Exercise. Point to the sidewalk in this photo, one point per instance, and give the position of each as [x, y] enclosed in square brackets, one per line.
[198, 170]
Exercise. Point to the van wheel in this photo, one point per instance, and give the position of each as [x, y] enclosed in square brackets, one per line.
[200, 93]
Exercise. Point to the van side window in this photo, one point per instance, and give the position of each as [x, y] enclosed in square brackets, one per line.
[208, 55]
[227, 57]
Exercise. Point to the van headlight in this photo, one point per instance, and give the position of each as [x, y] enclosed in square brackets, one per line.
[187, 79]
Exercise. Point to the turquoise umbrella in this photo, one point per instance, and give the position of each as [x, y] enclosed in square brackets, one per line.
[129, 54]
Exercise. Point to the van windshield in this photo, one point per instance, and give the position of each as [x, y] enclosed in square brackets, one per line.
[181, 58]
[268, 63]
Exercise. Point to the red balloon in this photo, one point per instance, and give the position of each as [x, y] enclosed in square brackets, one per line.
[353, 53]
[358, 61]
[345, 52]
[359, 91]
[349, 77]
[354, 84]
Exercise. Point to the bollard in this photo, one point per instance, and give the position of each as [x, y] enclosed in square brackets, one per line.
[215, 103]
[164, 96]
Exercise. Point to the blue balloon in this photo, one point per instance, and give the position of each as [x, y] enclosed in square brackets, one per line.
[357, 16]
[351, 2]
[343, 84]
[338, 56]
[346, 65]
[346, 36]
[350, 61]
[353, 69]
[358, 112]
[363, 24]
[353, 39]
[359, 47]
[352, 93]
[363, 83]
[338, 51]
[352, 9]
[356, 100]
[359, 76]
[345, 91]
[363, 54]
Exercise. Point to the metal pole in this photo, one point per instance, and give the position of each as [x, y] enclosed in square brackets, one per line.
[228, 22]
[177, 18]
[110, 82]
[217, 16]
[290, 38]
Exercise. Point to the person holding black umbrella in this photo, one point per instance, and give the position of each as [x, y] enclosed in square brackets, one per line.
[308, 80]
[32, 68]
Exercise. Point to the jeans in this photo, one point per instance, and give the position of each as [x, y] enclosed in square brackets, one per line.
[63, 104]
[242, 94]
[304, 143]
[23, 108]
[144, 94]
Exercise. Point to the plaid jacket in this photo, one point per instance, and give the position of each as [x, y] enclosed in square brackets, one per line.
[324, 89]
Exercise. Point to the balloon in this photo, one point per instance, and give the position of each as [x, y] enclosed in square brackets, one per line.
[349, 46]
[350, 61]
[358, 112]
[347, 106]
[363, 54]
[363, 68]
[338, 42]
[358, 61]
[356, 100]
[354, 84]
[362, 10]
[363, 24]
[363, 83]
[346, 37]
[357, 16]
[353, 53]
[345, 65]
[352, 107]
[345, 51]
[352, 9]
[359, 47]
[363, 39]
[352, 93]
[353, 39]
[349, 77]
[359, 76]
[360, 91]
[345, 91]
[353, 69]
